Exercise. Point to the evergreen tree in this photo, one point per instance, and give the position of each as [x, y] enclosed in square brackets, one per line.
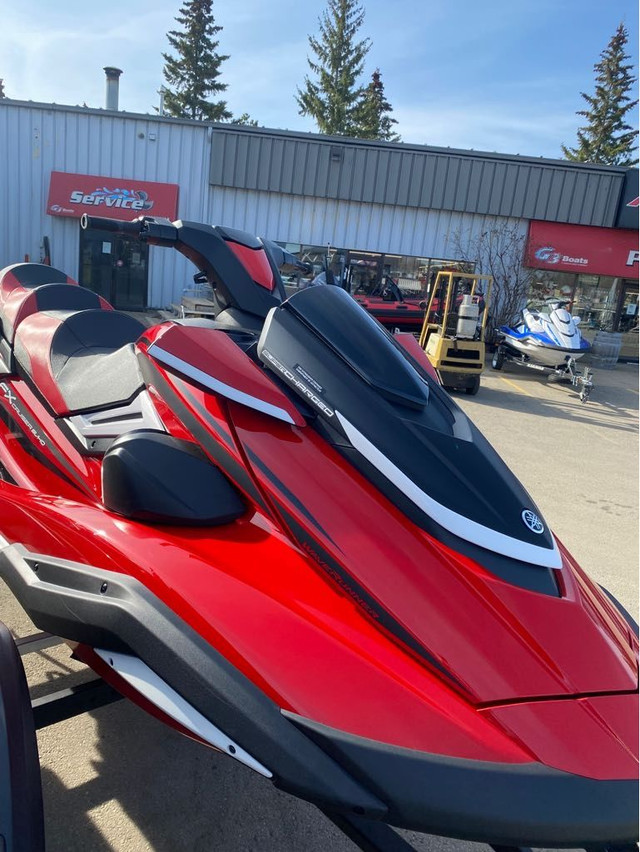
[333, 98]
[2, 94]
[194, 73]
[245, 119]
[374, 121]
[607, 138]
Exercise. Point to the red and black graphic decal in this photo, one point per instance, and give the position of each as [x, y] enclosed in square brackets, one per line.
[360, 596]
[221, 456]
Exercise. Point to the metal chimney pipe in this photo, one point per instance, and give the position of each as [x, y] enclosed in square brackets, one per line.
[162, 92]
[113, 86]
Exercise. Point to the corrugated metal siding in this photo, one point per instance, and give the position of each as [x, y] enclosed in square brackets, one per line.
[364, 227]
[36, 141]
[439, 180]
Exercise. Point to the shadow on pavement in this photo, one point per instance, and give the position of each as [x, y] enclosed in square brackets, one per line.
[154, 789]
[613, 403]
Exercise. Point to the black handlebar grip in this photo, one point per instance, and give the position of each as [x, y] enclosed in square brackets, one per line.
[118, 226]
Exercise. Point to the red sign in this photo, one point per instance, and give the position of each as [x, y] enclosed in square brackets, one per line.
[583, 249]
[117, 198]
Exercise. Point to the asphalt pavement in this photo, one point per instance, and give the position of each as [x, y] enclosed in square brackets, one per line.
[117, 779]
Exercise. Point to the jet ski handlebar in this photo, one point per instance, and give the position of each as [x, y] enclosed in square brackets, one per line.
[146, 228]
[207, 247]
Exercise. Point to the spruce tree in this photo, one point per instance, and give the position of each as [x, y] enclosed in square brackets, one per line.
[333, 98]
[244, 119]
[607, 138]
[374, 121]
[194, 72]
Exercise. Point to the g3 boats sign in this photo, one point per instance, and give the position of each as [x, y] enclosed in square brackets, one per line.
[582, 248]
[118, 198]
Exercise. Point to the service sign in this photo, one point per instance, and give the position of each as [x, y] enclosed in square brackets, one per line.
[118, 198]
[582, 249]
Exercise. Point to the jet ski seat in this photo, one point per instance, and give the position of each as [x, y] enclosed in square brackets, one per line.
[22, 302]
[26, 276]
[29, 287]
[80, 361]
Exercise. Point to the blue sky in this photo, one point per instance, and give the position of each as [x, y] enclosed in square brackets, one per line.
[495, 75]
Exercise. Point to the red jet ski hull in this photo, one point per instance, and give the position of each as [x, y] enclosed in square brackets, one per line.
[222, 519]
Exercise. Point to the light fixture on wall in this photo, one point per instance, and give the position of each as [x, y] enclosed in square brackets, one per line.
[335, 155]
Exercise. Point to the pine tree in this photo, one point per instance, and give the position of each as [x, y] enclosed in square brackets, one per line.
[2, 94]
[244, 119]
[374, 121]
[607, 138]
[333, 99]
[195, 71]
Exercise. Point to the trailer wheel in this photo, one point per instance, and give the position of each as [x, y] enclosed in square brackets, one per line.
[473, 389]
[21, 814]
[498, 358]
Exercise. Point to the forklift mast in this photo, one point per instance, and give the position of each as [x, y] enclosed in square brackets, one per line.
[454, 327]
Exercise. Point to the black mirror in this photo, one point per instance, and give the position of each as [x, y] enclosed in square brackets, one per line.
[153, 477]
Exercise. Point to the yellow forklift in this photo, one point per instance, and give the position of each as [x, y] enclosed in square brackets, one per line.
[453, 331]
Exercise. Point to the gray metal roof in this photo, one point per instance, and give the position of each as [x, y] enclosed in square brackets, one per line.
[415, 176]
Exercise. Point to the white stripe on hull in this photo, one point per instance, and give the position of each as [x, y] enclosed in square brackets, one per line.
[545, 355]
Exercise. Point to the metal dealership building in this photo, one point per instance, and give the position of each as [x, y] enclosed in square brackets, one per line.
[381, 208]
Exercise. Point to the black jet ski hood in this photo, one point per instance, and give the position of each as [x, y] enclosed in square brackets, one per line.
[402, 430]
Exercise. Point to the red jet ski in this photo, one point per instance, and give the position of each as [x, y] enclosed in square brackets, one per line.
[277, 532]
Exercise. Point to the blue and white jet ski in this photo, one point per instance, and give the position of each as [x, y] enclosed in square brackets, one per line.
[548, 336]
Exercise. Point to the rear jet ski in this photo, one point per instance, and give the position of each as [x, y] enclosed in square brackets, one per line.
[548, 336]
[548, 340]
[277, 532]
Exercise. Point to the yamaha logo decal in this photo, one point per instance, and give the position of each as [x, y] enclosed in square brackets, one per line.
[532, 521]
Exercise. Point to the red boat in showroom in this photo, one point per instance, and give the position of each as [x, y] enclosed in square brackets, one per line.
[277, 532]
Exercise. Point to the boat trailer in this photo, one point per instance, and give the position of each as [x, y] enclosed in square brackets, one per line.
[579, 378]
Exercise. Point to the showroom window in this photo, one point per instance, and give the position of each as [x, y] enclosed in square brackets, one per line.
[602, 301]
[363, 271]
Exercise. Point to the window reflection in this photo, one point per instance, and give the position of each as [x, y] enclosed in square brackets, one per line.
[369, 273]
[603, 302]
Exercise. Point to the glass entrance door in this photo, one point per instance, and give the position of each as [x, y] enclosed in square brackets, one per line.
[115, 267]
[627, 319]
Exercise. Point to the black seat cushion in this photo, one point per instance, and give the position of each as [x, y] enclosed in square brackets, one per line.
[93, 359]
[97, 330]
[21, 303]
[29, 275]
[80, 360]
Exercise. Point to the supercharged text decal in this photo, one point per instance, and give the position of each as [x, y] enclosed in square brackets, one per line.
[297, 383]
